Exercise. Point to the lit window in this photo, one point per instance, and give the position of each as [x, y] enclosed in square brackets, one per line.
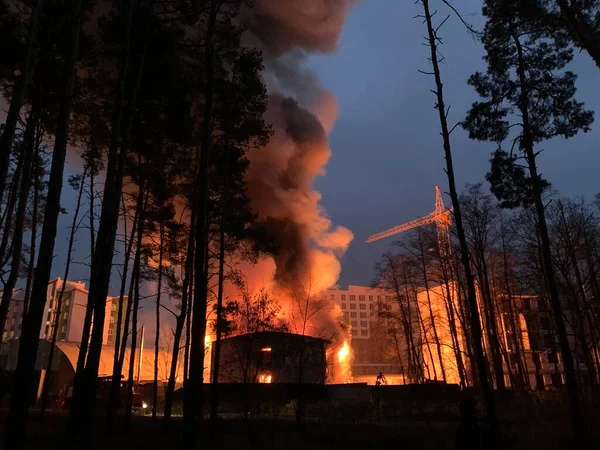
[361, 298]
[352, 305]
[65, 315]
[354, 323]
[363, 323]
[353, 315]
[265, 377]
[363, 315]
[363, 306]
[353, 298]
[64, 328]
[364, 332]
[343, 306]
[67, 302]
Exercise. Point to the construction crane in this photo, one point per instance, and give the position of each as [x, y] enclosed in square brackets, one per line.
[440, 216]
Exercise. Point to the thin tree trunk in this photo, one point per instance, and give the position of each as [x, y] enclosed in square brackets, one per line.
[474, 318]
[180, 323]
[115, 388]
[134, 331]
[59, 303]
[214, 411]
[109, 218]
[33, 241]
[19, 93]
[19, 405]
[157, 336]
[192, 403]
[17, 244]
[11, 202]
[577, 418]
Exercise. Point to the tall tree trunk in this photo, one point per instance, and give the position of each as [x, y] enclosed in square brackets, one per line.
[181, 321]
[84, 408]
[577, 419]
[19, 93]
[214, 410]
[17, 244]
[474, 318]
[25, 375]
[193, 386]
[115, 387]
[59, 303]
[134, 331]
[157, 335]
[34, 225]
[7, 216]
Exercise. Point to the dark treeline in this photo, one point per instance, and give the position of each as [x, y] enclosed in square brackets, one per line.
[160, 101]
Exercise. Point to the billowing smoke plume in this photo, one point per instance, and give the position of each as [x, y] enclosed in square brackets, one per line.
[302, 112]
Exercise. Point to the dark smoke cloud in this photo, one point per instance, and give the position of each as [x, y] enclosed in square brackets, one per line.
[282, 174]
[287, 25]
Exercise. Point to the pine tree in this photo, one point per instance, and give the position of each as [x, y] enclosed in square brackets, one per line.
[528, 96]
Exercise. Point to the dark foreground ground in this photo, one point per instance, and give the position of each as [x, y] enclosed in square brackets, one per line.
[283, 434]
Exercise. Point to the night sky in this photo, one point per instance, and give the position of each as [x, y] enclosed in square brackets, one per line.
[387, 153]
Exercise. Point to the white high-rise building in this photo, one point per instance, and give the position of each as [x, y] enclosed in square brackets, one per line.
[71, 314]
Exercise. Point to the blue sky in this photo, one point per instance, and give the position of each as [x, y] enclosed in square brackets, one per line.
[387, 155]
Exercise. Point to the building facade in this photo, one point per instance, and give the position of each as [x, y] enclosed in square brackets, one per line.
[71, 315]
[113, 320]
[360, 309]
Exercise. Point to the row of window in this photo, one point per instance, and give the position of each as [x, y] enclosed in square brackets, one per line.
[363, 315]
[360, 306]
[363, 323]
[362, 332]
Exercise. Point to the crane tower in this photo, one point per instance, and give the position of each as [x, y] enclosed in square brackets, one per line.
[440, 216]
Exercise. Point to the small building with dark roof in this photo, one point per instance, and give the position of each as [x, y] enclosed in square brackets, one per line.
[272, 357]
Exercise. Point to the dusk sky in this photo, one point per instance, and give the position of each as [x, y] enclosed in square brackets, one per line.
[387, 153]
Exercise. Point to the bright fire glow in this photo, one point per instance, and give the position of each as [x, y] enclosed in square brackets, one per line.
[206, 341]
[265, 378]
[266, 349]
[344, 352]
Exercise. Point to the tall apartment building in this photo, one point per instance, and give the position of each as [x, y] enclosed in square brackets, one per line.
[111, 334]
[70, 317]
[360, 309]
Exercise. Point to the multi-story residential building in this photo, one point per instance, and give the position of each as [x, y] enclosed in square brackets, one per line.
[70, 317]
[360, 309]
[114, 318]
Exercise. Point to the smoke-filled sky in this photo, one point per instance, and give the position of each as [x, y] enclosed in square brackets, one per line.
[386, 155]
[386, 150]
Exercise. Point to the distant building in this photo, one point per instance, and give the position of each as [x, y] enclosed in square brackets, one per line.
[360, 309]
[70, 317]
[272, 357]
[114, 317]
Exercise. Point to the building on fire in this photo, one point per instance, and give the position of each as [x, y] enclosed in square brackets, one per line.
[272, 357]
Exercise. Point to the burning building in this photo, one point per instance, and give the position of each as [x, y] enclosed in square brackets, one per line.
[273, 357]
